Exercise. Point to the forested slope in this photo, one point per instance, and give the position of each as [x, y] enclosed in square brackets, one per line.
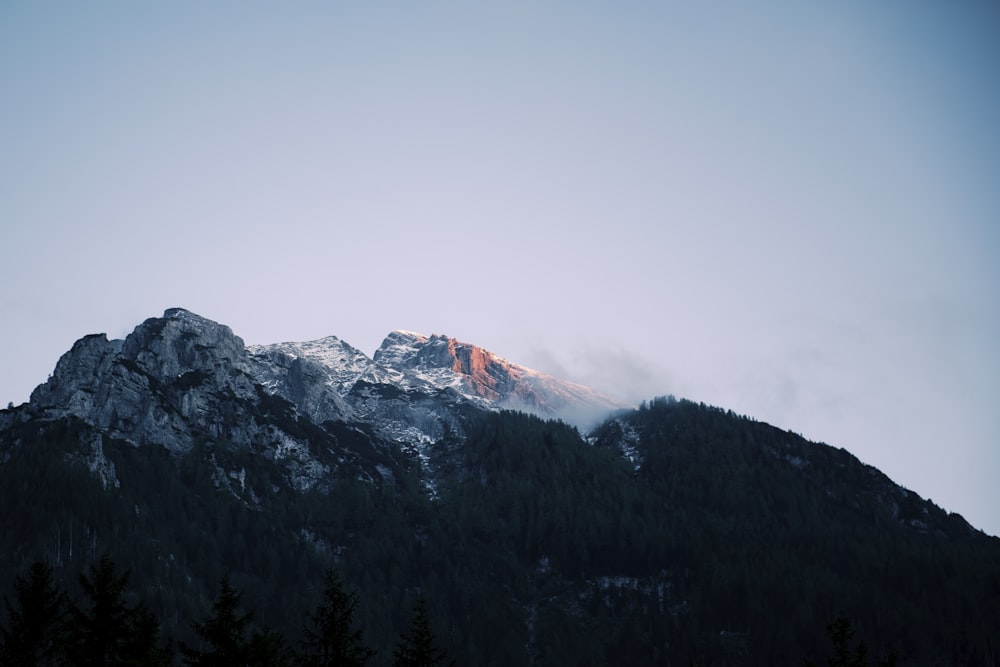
[674, 534]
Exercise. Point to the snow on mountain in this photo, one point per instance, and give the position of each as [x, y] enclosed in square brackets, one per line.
[412, 389]
[414, 362]
[343, 363]
[420, 361]
[484, 377]
[180, 379]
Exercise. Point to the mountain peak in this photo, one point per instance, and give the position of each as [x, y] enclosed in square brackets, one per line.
[161, 384]
[188, 359]
[479, 374]
[178, 312]
[182, 341]
[407, 349]
[406, 334]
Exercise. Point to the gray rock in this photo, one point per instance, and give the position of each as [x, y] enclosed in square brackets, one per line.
[181, 378]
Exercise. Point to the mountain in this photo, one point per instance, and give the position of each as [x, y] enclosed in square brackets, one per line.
[669, 533]
[180, 378]
[416, 363]
[482, 376]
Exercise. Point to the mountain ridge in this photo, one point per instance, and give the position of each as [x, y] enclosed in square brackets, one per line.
[180, 378]
[671, 532]
[419, 362]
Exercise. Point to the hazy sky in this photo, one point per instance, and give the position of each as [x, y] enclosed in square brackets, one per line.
[789, 209]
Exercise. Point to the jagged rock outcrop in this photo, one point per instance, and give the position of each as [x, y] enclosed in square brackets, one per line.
[181, 342]
[314, 374]
[412, 386]
[310, 385]
[174, 381]
[174, 378]
[78, 386]
[477, 373]
[329, 380]
[181, 379]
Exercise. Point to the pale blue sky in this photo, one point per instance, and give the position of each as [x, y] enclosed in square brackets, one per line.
[787, 209]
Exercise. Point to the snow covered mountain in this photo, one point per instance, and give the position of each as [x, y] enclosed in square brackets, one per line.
[429, 365]
[180, 379]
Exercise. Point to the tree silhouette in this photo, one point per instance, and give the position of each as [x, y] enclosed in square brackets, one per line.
[329, 638]
[223, 632]
[267, 648]
[417, 647]
[107, 631]
[841, 633]
[34, 620]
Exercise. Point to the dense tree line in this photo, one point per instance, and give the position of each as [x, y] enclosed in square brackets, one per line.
[44, 626]
[732, 543]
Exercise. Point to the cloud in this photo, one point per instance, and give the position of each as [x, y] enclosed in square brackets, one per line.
[611, 369]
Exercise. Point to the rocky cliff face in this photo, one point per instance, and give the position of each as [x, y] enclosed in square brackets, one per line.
[172, 379]
[181, 379]
[330, 380]
[315, 387]
[325, 377]
[480, 375]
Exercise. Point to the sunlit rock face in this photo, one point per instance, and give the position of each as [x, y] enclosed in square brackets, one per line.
[316, 409]
[487, 375]
[181, 379]
[327, 379]
[480, 375]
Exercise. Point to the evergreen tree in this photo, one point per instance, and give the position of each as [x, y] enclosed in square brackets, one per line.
[108, 631]
[329, 638]
[223, 632]
[34, 621]
[417, 647]
[841, 634]
[142, 645]
[267, 649]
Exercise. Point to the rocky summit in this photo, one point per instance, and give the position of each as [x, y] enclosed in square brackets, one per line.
[181, 378]
[171, 378]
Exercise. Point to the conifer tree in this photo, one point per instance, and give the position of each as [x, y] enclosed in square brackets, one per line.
[223, 631]
[267, 648]
[841, 633]
[417, 648]
[329, 638]
[107, 631]
[32, 634]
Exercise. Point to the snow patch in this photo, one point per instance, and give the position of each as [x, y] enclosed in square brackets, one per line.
[628, 444]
